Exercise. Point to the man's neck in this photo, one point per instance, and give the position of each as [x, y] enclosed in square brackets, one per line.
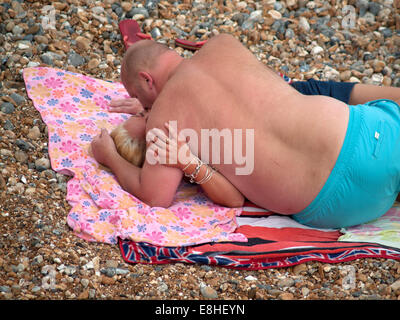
[167, 66]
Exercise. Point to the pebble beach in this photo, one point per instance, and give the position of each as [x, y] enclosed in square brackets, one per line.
[356, 41]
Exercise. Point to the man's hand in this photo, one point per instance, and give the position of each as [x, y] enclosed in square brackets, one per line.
[103, 148]
[129, 105]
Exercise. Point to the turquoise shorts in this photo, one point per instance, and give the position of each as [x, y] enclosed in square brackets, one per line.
[365, 181]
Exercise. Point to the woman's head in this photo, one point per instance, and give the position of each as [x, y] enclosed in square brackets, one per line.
[130, 141]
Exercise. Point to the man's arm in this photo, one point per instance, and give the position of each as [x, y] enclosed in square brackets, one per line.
[129, 105]
[155, 185]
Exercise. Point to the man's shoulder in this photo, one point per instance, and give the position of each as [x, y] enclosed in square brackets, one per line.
[221, 42]
[221, 39]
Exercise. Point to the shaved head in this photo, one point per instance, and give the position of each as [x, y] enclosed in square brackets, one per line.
[141, 56]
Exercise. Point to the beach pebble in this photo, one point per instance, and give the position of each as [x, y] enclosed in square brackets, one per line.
[7, 107]
[287, 282]
[42, 164]
[34, 133]
[47, 59]
[93, 63]
[21, 156]
[395, 286]
[317, 50]
[275, 14]
[83, 43]
[41, 258]
[76, 60]
[304, 25]
[18, 99]
[208, 292]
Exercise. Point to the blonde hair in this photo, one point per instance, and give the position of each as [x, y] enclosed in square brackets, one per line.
[131, 149]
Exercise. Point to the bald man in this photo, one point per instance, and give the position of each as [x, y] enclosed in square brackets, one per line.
[326, 163]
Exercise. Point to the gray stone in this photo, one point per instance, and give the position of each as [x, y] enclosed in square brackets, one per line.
[17, 30]
[358, 66]
[369, 18]
[109, 272]
[8, 125]
[5, 289]
[163, 287]
[37, 260]
[121, 271]
[155, 33]
[277, 25]
[363, 6]
[151, 5]
[289, 34]
[76, 60]
[7, 108]
[256, 16]
[69, 270]
[374, 7]
[239, 18]
[42, 164]
[387, 33]
[97, 10]
[287, 282]
[247, 25]
[47, 59]
[36, 289]
[303, 24]
[17, 98]
[23, 145]
[85, 282]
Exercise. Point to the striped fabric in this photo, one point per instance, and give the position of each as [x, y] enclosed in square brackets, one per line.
[266, 248]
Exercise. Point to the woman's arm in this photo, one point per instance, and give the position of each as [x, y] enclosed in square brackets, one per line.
[363, 93]
[155, 185]
[214, 184]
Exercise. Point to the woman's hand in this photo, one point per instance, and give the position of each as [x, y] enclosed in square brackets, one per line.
[129, 105]
[172, 151]
[103, 148]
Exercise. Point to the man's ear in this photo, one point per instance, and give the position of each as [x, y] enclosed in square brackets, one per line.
[147, 78]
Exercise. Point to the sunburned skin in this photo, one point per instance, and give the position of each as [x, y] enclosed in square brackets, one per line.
[297, 138]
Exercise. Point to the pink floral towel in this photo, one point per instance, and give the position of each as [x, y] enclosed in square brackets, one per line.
[74, 107]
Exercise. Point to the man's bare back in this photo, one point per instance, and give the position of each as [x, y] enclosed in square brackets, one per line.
[297, 138]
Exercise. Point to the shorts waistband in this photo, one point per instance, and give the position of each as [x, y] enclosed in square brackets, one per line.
[356, 116]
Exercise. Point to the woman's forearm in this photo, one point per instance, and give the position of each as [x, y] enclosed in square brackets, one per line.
[217, 188]
[127, 174]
